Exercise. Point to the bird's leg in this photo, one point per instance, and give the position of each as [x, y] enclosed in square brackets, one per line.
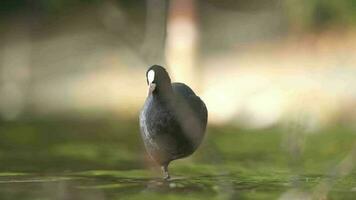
[165, 172]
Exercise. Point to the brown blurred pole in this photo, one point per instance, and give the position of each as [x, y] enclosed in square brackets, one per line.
[153, 47]
[182, 41]
[15, 68]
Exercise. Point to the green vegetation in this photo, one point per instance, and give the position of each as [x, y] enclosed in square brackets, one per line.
[105, 159]
[316, 14]
[304, 14]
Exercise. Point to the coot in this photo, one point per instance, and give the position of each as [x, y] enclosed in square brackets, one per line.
[173, 119]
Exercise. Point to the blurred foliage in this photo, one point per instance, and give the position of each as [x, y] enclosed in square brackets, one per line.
[316, 14]
[301, 14]
[48, 6]
[57, 6]
[242, 5]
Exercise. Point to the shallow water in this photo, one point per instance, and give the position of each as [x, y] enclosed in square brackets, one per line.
[105, 160]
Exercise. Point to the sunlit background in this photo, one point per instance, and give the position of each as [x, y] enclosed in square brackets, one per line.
[272, 74]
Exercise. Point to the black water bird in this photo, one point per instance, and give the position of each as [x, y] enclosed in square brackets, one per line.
[173, 119]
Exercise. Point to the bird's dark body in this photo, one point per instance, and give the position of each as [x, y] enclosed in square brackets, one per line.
[174, 126]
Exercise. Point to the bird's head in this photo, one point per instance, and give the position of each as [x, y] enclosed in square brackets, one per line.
[157, 79]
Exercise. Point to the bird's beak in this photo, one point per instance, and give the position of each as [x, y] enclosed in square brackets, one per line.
[151, 88]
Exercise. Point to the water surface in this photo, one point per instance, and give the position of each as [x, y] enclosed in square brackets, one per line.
[104, 159]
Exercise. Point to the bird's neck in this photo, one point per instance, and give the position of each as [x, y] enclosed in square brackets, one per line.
[164, 94]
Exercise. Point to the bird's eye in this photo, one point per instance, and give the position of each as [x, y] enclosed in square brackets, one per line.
[150, 76]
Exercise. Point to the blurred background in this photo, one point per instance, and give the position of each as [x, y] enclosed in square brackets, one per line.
[278, 78]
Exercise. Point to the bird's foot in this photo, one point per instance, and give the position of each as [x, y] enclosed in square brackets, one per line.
[166, 175]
